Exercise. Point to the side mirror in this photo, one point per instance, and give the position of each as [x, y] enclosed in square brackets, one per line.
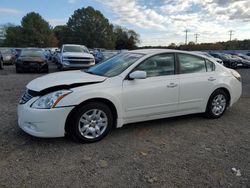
[138, 75]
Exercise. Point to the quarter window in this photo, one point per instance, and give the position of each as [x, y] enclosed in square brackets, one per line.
[159, 65]
[210, 66]
[191, 64]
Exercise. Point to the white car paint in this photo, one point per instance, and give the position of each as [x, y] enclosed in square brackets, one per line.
[135, 100]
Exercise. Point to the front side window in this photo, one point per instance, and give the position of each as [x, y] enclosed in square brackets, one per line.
[191, 64]
[158, 65]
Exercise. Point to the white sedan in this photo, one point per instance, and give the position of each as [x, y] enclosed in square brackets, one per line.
[131, 87]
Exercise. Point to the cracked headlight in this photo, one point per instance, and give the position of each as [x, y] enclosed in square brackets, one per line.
[50, 100]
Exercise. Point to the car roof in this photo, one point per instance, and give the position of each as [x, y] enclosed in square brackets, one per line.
[156, 51]
[72, 45]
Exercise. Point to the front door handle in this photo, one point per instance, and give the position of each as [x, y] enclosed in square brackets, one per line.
[172, 85]
[211, 79]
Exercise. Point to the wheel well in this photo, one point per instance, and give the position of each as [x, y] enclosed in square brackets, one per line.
[227, 93]
[102, 100]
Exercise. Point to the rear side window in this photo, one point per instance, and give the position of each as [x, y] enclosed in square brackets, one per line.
[210, 66]
[191, 64]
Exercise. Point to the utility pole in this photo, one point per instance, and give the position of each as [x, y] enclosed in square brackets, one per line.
[231, 34]
[186, 31]
[196, 37]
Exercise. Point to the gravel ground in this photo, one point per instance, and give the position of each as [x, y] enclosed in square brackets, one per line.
[187, 151]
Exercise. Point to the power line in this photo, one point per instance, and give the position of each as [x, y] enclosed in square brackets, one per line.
[231, 34]
[196, 37]
[186, 31]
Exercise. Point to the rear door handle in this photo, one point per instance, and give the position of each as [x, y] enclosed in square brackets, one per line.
[172, 85]
[211, 79]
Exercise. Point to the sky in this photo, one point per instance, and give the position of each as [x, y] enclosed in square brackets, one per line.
[159, 22]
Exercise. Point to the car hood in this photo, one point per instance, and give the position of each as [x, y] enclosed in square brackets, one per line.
[64, 80]
[76, 54]
[31, 59]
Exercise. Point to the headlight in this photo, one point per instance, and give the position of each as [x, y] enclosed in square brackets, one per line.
[64, 58]
[236, 74]
[50, 100]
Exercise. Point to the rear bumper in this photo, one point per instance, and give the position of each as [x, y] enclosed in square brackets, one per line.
[236, 91]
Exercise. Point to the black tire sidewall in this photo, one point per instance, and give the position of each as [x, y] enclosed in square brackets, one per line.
[209, 112]
[74, 120]
[1, 64]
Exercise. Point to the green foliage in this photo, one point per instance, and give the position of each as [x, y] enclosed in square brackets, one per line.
[229, 45]
[125, 39]
[33, 32]
[89, 27]
[86, 26]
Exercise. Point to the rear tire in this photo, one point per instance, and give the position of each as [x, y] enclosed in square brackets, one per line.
[217, 104]
[45, 69]
[19, 70]
[91, 122]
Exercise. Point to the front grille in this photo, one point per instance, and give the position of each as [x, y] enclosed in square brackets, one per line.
[79, 58]
[79, 62]
[28, 94]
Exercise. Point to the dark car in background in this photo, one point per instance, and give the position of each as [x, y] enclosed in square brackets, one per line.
[1, 61]
[18, 52]
[32, 60]
[244, 60]
[9, 55]
[210, 56]
[227, 59]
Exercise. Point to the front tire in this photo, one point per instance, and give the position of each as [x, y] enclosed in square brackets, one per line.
[19, 70]
[1, 64]
[217, 104]
[91, 122]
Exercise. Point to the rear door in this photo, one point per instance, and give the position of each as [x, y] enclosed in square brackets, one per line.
[197, 80]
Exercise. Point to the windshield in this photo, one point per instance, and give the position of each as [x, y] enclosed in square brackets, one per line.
[116, 65]
[6, 51]
[73, 49]
[31, 53]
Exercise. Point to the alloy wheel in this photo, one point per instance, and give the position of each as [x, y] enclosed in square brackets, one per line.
[219, 104]
[93, 123]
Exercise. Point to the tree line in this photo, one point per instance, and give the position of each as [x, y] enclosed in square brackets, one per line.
[228, 45]
[86, 26]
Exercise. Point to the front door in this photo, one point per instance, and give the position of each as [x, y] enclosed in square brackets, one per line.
[157, 94]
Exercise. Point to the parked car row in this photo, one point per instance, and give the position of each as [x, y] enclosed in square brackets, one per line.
[72, 56]
[231, 60]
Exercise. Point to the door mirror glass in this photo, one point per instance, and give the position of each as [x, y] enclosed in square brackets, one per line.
[138, 75]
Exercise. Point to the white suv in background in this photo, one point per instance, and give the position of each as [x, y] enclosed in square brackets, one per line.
[75, 56]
